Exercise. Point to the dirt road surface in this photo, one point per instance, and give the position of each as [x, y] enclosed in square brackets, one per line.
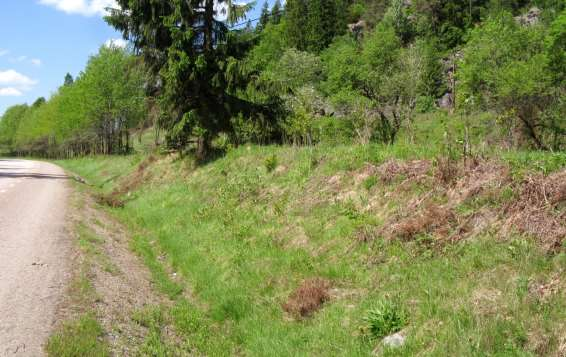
[34, 253]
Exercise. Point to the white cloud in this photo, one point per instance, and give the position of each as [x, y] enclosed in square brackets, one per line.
[10, 92]
[116, 42]
[35, 62]
[81, 7]
[21, 58]
[3, 52]
[13, 83]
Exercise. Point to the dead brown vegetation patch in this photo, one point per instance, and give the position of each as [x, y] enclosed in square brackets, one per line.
[447, 170]
[479, 177]
[308, 297]
[109, 200]
[434, 219]
[537, 212]
[413, 170]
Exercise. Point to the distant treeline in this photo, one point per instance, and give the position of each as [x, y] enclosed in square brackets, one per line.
[89, 115]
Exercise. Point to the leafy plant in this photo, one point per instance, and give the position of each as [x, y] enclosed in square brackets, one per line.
[385, 318]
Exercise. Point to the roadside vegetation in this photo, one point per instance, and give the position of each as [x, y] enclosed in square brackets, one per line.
[327, 249]
[343, 178]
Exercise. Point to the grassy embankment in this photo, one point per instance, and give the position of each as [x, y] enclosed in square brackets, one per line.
[443, 244]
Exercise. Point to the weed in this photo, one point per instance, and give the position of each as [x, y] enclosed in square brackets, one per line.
[271, 163]
[370, 182]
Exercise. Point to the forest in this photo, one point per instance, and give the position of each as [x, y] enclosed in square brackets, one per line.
[341, 71]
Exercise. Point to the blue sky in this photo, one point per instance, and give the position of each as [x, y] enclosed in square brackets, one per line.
[42, 40]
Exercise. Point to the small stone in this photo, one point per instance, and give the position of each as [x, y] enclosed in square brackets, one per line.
[394, 341]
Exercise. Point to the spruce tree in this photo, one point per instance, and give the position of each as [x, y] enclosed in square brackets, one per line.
[276, 12]
[297, 22]
[322, 24]
[264, 18]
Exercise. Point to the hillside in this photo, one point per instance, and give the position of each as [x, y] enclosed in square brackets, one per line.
[325, 250]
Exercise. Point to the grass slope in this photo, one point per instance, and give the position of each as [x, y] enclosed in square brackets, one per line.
[244, 231]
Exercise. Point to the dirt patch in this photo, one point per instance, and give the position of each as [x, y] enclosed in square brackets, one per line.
[486, 301]
[308, 298]
[537, 209]
[130, 183]
[122, 284]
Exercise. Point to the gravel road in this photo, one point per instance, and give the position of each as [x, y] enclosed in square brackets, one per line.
[34, 253]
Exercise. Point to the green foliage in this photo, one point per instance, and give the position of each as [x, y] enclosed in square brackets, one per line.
[265, 15]
[248, 130]
[448, 21]
[293, 70]
[506, 68]
[303, 106]
[342, 66]
[555, 47]
[313, 24]
[9, 124]
[385, 318]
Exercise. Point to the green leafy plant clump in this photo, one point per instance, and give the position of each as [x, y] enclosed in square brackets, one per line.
[385, 318]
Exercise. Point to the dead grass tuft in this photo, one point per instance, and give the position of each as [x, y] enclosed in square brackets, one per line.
[536, 210]
[308, 297]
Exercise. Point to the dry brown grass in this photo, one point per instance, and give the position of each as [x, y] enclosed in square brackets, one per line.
[537, 210]
[478, 178]
[447, 170]
[308, 297]
[414, 170]
[434, 219]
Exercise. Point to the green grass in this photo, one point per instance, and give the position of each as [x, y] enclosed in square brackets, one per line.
[242, 235]
[83, 337]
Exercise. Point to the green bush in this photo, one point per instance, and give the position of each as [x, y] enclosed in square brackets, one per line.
[385, 318]
[271, 163]
[334, 131]
[425, 104]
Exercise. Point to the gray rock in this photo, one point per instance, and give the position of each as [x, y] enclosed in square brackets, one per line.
[446, 101]
[394, 341]
[530, 18]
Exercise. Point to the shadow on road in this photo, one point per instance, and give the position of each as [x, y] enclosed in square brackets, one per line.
[33, 176]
